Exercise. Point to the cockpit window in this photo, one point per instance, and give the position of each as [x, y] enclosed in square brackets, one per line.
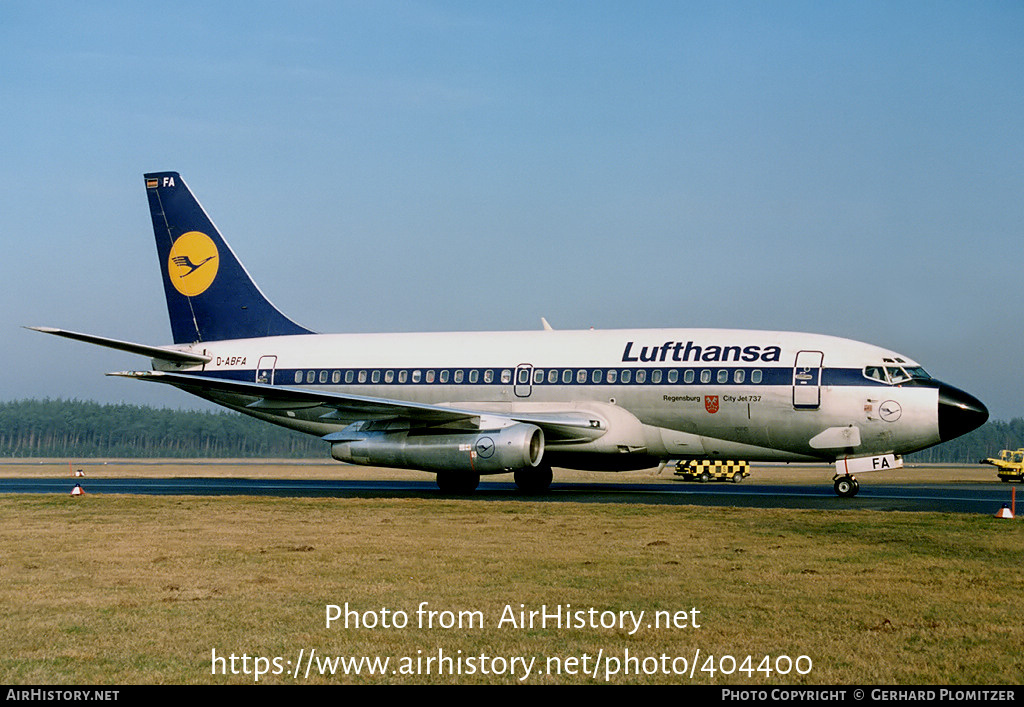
[894, 375]
[875, 373]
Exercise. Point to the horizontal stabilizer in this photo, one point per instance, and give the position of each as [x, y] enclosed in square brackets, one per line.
[157, 352]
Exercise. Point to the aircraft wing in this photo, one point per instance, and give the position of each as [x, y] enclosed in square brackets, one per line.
[569, 425]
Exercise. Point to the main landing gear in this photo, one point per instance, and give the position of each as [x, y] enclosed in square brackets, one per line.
[845, 485]
[534, 481]
[457, 482]
[529, 481]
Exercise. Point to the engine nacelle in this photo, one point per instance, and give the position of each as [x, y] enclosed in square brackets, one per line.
[519, 446]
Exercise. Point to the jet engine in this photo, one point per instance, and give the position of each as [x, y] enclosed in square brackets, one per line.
[518, 446]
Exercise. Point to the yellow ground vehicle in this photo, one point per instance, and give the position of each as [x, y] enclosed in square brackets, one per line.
[707, 470]
[1010, 464]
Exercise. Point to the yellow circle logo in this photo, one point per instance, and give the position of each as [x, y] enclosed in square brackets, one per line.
[192, 266]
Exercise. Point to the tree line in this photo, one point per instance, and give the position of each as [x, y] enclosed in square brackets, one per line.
[74, 428]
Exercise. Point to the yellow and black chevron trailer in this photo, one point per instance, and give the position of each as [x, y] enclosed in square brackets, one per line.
[704, 470]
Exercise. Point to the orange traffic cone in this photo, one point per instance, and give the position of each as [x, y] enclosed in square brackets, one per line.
[78, 490]
[1005, 512]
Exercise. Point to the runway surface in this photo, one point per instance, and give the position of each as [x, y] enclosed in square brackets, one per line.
[985, 498]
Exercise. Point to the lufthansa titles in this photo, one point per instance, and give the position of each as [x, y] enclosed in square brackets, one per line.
[689, 351]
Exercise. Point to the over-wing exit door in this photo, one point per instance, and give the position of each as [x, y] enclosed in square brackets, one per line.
[524, 380]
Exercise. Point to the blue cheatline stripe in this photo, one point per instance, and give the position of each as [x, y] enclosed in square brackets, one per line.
[730, 376]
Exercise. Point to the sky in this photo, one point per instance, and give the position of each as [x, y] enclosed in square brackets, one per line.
[847, 168]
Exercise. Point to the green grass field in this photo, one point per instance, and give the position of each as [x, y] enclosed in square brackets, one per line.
[123, 589]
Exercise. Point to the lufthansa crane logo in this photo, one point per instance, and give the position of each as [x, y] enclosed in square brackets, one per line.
[890, 411]
[192, 265]
[485, 447]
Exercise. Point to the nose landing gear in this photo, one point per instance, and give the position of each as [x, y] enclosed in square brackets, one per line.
[845, 485]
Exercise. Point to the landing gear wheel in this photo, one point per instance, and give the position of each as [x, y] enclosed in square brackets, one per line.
[452, 482]
[846, 486]
[533, 481]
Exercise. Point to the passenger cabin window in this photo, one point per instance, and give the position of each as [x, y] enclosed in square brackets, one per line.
[389, 376]
[459, 375]
[755, 376]
[488, 376]
[323, 376]
[613, 376]
[506, 376]
[336, 377]
[362, 376]
[597, 376]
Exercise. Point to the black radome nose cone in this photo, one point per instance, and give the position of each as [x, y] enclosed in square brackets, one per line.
[959, 412]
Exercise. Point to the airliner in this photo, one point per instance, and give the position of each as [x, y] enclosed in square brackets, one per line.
[461, 405]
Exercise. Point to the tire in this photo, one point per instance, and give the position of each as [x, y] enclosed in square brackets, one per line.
[534, 481]
[846, 486]
[456, 483]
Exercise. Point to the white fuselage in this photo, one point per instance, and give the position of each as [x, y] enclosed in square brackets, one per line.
[659, 393]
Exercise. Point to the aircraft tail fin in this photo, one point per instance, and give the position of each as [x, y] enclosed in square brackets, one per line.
[210, 296]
